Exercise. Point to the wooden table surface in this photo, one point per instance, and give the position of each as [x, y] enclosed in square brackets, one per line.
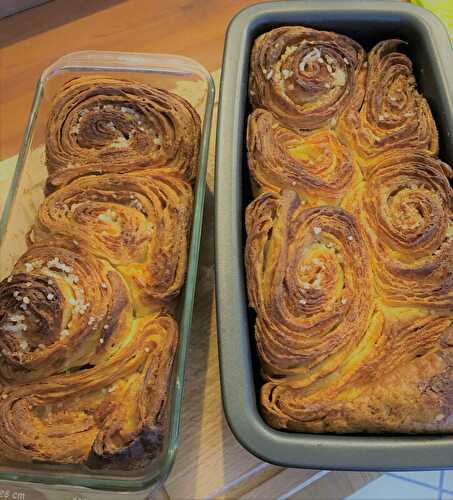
[210, 462]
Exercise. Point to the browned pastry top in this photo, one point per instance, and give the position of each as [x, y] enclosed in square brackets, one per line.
[72, 353]
[393, 115]
[401, 383]
[315, 164]
[87, 339]
[309, 279]
[306, 77]
[349, 253]
[138, 221]
[104, 125]
[406, 212]
[328, 343]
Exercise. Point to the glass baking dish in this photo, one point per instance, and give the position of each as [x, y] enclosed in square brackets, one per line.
[186, 78]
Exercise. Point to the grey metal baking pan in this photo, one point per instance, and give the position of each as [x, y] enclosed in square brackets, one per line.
[367, 22]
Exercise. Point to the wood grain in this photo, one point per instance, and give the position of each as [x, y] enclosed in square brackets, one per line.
[31, 40]
[10, 7]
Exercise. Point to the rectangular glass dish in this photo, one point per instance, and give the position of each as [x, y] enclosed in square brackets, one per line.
[367, 22]
[181, 76]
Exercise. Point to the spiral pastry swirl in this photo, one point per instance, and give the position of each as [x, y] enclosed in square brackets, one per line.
[309, 280]
[349, 251]
[405, 209]
[55, 308]
[398, 379]
[330, 351]
[139, 222]
[316, 165]
[80, 416]
[87, 341]
[104, 125]
[393, 115]
[305, 77]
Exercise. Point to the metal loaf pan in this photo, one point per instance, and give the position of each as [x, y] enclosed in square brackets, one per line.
[367, 22]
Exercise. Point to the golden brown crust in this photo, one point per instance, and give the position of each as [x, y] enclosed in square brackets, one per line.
[396, 389]
[72, 353]
[393, 115]
[86, 339]
[54, 309]
[139, 222]
[331, 353]
[316, 164]
[354, 305]
[81, 415]
[305, 77]
[104, 125]
[405, 209]
[309, 279]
